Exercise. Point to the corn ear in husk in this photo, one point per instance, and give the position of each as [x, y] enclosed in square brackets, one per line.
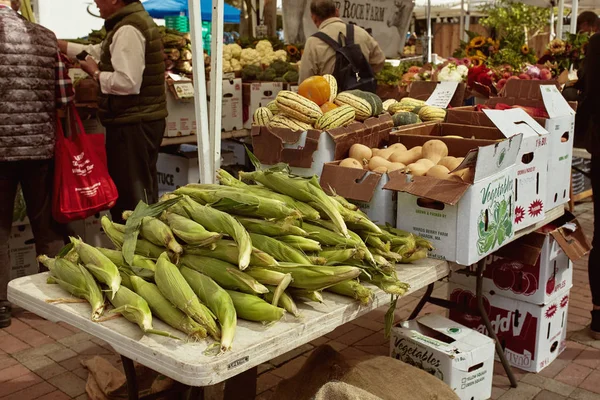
[228, 250]
[253, 308]
[271, 228]
[98, 264]
[116, 234]
[190, 231]
[301, 243]
[285, 301]
[279, 250]
[354, 289]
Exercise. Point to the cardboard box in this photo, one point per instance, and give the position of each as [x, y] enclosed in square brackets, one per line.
[182, 118]
[536, 267]
[363, 188]
[21, 247]
[176, 170]
[258, 94]
[461, 357]
[94, 234]
[560, 125]
[465, 221]
[307, 152]
[531, 335]
[232, 112]
[237, 150]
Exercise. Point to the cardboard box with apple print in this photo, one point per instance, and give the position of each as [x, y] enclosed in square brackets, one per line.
[536, 267]
[531, 335]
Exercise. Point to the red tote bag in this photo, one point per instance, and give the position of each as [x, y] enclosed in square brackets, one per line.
[82, 185]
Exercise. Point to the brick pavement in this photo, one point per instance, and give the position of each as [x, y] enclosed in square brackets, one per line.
[42, 360]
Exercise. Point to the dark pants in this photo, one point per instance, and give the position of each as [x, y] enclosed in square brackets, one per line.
[594, 259]
[132, 152]
[36, 179]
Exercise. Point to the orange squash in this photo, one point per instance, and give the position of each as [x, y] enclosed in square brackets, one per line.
[328, 106]
[315, 88]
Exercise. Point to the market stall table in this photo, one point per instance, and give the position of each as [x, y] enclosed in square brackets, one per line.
[579, 153]
[187, 363]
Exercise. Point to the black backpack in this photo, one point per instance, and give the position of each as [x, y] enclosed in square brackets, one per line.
[352, 70]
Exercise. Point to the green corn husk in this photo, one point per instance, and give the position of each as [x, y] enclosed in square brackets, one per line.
[301, 243]
[190, 231]
[126, 275]
[424, 244]
[285, 301]
[225, 274]
[375, 242]
[415, 256]
[174, 287]
[302, 189]
[356, 220]
[217, 300]
[116, 234]
[218, 221]
[315, 277]
[98, 264]
[344, 203]
[354, 242]
[354, 289]
[266, 276]
[316, 260]
[336, 256]
[271, 228]
[388, 255]
[135, 309]
[76, 280]
[327, 237]
[159, 233]
[142, 266]
[389, 284]
[253, 308]
[165, 310]
[306, 211]
[382, 262]
[306, 295]
[227, 250]
[238, 201]
[175, 208]
[399, 238]
[279, 250]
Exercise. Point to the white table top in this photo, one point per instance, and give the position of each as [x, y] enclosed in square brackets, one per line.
[253, 344]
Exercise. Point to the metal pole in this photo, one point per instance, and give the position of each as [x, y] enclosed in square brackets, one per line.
[468, 17]
[207, 174]
[574, 12]
[216, 84]
[560, 22]
[552, 31]
[461, 29]
[429, 31]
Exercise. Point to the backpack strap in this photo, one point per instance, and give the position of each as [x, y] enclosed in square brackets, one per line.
[349, 34]
[327, 39]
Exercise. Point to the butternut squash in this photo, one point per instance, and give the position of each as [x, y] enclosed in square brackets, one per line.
[360, 152]
[382, 170]
[386, 153]
[440, 172]
[449, 162]
[395, 166]
[426, 162]
[398, 146]
[406, 157]
[417, 169]
[378, 161]
[435, 150]
[351, 163]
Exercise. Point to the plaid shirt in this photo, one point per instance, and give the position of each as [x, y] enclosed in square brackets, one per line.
[64, 86]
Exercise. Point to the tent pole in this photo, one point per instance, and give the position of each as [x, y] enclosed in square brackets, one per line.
[207, 174]
[468, 18]
[461, 29]
[560, 22]
[216, 82]
[429, 31]
[574, 13]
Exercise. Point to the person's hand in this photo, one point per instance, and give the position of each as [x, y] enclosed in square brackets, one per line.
[90, 66]
[62, 46]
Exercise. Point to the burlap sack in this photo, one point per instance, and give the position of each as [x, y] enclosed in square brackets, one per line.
[343, 391]
[383, 377]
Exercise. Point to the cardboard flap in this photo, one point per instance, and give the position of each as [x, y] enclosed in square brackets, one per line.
[526, 249]
[351, 183]
[514, 121]
[274, 145]
[524, 89]
[447, 192]
[556, 104]
[497, 157]
[574, 243]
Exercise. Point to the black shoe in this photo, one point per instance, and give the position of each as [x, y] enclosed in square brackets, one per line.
[5, 311]
[595, 325]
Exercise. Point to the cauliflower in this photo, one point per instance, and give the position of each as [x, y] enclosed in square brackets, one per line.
[236, 50]
[264, 47]
[281, 55]
[463, 70]
[250, 57]
[227, 66]
[451, 73]
[226, 53]
[236, 65]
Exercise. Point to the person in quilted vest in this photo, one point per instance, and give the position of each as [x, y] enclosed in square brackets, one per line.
[32, 83]
[129, 67]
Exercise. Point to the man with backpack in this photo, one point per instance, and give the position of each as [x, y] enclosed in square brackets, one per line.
[345, 51]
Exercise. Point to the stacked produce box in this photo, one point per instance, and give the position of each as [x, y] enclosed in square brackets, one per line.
[526, 293]
[206, 255]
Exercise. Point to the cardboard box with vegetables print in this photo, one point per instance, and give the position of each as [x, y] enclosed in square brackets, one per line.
[466, 219]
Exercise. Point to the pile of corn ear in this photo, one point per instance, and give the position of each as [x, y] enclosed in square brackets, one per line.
[206, 255]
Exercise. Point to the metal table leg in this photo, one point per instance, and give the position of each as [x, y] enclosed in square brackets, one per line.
[488, 325]
[242, 386]
[132, 386]
[424, 300]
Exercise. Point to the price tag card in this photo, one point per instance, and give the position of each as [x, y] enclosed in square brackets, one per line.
[442, 94]
[184, 90]
[555, 103]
